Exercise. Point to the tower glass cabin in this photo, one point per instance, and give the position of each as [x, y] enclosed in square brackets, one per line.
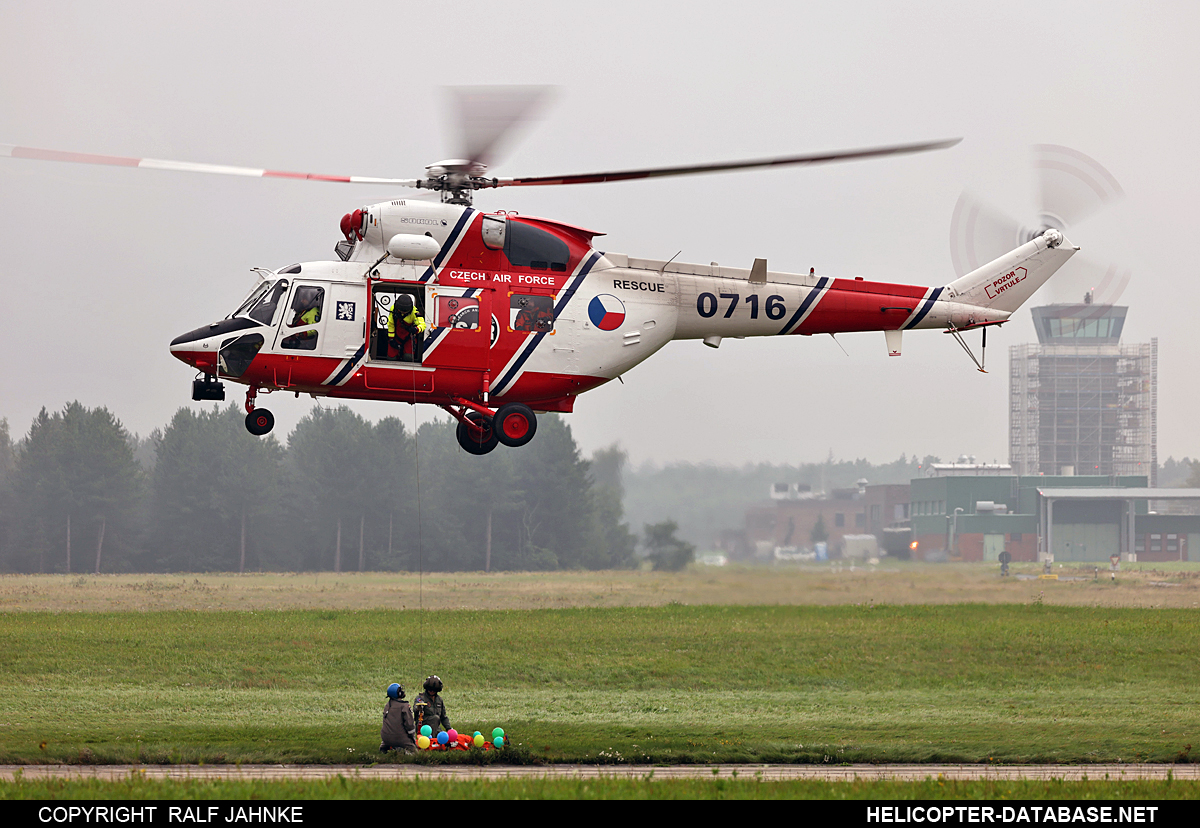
[1080, 402]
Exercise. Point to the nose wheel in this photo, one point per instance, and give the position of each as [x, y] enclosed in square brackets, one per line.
[260, 422]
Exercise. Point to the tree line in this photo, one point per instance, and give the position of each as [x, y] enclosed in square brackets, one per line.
[78, 493]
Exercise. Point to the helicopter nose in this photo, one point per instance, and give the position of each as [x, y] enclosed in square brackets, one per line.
[197, 349]
[201, 355]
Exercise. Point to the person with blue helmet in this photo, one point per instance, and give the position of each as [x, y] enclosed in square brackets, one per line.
[399, 730]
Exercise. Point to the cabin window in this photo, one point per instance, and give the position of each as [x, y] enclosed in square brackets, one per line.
[237, 353]
[533, 314]
[303, 341]
[306, 306]
[458, 312]
[532, 247]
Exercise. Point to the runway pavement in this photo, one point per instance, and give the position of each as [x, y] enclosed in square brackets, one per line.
[772, 773]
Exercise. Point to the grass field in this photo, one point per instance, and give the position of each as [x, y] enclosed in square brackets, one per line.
[895, 663]
[1027, 682]
[349, 788]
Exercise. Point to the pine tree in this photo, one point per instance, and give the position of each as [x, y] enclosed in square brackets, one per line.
[76, 469]
[329, 477]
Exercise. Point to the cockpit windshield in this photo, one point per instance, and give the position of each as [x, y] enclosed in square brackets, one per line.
[262, 302]
[249, 302]
[264, 311]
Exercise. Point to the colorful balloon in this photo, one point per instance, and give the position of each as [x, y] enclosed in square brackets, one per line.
[443, 738]
[423, 742]
[499, 731]
[426, 730]
[478, 740]
[453, 734]
[498, 741]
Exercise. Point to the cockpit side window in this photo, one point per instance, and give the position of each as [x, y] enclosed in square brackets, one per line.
[306, 306]
[528, 246]
[264, 311]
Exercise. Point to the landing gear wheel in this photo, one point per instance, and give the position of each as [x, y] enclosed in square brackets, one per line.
[479, 437]
[260, 422]
[515, 424]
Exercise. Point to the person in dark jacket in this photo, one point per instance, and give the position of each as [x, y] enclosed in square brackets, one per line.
[399, 730]
[429, 709]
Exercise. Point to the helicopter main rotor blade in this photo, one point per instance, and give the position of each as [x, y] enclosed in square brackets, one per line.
[660, 172]
[488, 116]
[35, 154]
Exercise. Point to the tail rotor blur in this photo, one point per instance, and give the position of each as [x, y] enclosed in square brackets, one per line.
[1071, 187]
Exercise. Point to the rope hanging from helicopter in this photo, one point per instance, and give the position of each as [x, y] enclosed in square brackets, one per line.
[420, 545]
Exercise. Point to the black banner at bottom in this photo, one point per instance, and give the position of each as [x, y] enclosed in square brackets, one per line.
[337, 812]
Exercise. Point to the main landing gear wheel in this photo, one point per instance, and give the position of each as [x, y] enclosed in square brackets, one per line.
[515, 424]
[478, 437]
[260, 422]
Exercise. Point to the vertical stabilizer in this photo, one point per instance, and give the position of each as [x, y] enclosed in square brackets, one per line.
[1005, 284]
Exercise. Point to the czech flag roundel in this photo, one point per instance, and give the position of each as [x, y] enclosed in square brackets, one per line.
[606, 312]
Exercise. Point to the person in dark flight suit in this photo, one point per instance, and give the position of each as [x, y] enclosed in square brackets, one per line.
[399, 728]
[429, 709]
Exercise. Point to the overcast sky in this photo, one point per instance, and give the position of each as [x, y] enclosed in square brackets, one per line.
[102, 267]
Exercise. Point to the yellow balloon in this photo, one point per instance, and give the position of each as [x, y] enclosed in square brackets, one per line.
[479, 740]
[423, 742]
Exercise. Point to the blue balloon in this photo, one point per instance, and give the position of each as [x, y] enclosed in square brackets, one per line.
[498, 741]
[443, 738]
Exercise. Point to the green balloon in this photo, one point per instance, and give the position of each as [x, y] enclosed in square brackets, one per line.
[499, 731]
[426, 730]
[498, 741]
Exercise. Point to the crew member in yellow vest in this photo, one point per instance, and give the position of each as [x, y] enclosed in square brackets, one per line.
[307, 308]
[406, 327]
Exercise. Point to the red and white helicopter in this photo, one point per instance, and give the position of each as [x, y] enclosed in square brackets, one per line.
[524, 314]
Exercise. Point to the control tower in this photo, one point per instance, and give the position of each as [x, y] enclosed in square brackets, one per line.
[1080, 402]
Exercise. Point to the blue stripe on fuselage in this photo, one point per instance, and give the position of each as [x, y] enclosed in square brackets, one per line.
[804, 306]
[925, 308]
